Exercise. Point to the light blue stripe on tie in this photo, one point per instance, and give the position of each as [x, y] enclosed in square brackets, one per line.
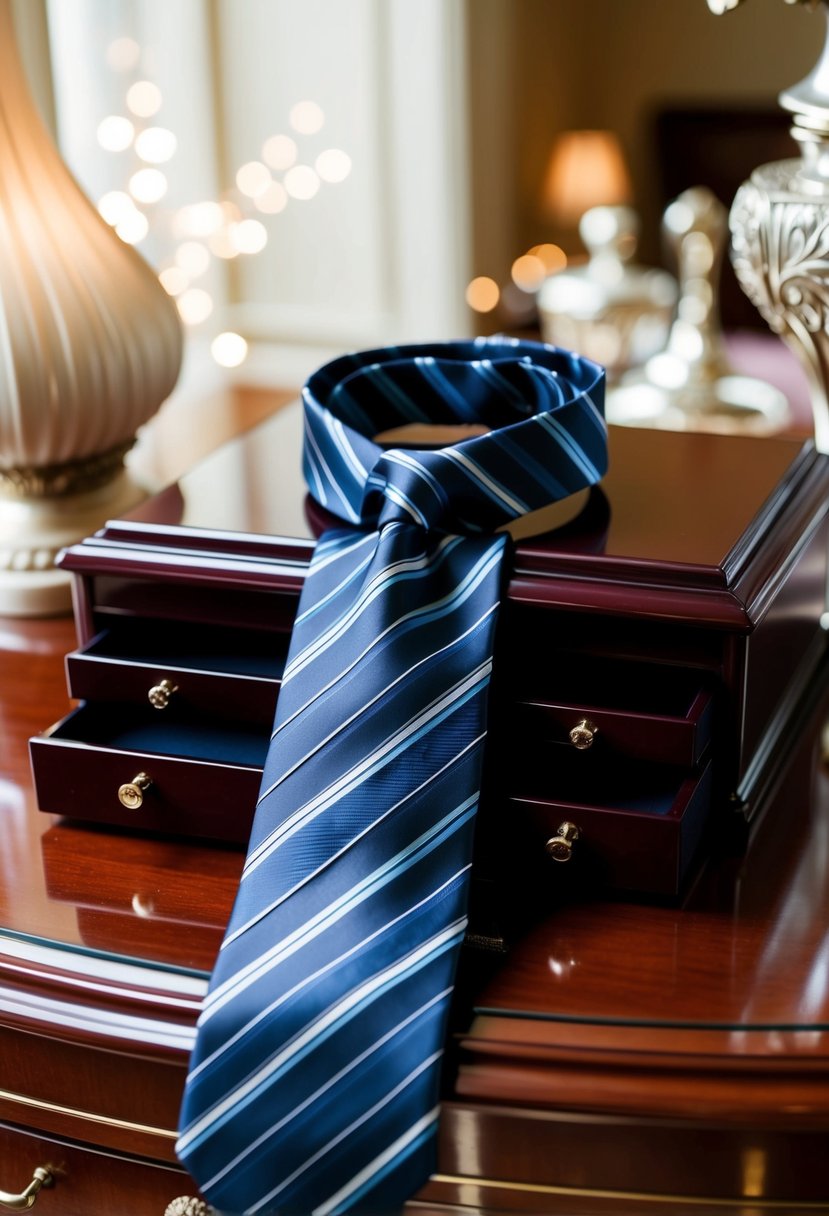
[568, 445]
[399, 1147]
[320, 1030]
[331, 480]
[409, 568]
[428, 612]
[487, 483]
[360, 472]
[408, 1021]
[445, 390]
[301, 942]
[334, 592]
[381, 1166]
[408, 462]
[393, 746]
[357, 713]
[394, 394]
[381, 877]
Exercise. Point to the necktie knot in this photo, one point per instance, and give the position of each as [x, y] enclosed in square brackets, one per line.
[405, 486]
[536, 413]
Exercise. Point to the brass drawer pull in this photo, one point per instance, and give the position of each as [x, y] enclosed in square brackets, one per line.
[583, 734]
[159, 695]
[187, 1205]
[560, 846]
[131, 793]
[27, 1199]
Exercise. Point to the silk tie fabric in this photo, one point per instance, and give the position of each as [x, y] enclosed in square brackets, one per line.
[314, 1083]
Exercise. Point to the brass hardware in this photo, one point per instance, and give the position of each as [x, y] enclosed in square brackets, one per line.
[159, 695]
[131, 793]
[583, 734]
[188, 1205]
[560, 846]
[27, 1198]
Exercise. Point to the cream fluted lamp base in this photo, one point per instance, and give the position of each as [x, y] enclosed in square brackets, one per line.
[34, 530]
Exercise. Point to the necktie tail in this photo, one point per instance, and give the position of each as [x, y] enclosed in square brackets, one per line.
[344, 939]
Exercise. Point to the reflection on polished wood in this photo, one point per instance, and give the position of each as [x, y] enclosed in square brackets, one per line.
[624, 1058]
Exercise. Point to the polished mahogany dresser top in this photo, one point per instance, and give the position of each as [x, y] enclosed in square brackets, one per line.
[612, 1033]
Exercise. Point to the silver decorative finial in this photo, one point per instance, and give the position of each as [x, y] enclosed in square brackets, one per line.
[780, 231]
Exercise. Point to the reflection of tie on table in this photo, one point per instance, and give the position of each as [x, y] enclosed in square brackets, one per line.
[314, 1082]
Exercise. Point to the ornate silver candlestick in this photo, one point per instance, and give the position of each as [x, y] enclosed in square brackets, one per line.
[780, 233]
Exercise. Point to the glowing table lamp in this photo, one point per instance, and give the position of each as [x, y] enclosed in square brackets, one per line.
[90, 345]
[585, 169]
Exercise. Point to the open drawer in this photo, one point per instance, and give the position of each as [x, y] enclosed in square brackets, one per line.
[198, 777]
[637, 827]
[613, 709]
[229, 673]
[638, 824]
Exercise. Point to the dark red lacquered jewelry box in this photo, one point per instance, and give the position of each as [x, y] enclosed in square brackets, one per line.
[654, 644]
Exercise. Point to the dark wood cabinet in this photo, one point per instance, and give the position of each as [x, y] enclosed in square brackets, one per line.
[645, 1055]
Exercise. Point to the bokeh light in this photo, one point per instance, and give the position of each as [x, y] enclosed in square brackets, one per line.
[302, 182]
[144, 98]
[528, 272]
[306, 117]
[115, 133]
[280, 152]
[221, 244]
[194, 305]
[483, 294]
[156, 145]
[249, 236]
[173, 280]
[193, 258]
[148, 185]
[551, 256]
[198, 219]
[229, 349]
[123, 54]
[114, 206]
[333, 165]
[132, 227]
[273, 200]
[252, 178]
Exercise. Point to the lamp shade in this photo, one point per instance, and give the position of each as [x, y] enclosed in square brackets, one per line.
[585, 169]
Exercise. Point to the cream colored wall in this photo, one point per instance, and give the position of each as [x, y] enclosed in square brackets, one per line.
[611, 63]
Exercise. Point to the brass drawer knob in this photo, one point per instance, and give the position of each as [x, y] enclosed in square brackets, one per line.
[188, 1205]
[560, 846]
[27, 1198]
[159, 695]
[131, 793]
[583, 734]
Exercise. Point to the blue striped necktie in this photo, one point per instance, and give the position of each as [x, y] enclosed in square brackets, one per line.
[314, 1082]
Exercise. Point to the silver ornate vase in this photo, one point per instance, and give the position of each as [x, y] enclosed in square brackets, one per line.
[779, 225]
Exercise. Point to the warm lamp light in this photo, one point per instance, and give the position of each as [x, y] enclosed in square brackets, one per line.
[90, 345]
[585, 169]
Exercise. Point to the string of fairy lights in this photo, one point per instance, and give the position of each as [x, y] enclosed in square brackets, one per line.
[198, 233]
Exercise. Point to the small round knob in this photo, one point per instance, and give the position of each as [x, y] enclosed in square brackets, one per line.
[131, 793]
[583, 734]
[560, 846]
[188, 1205]
[159, 695]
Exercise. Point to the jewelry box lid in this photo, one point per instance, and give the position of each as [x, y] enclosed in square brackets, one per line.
[688, 526]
